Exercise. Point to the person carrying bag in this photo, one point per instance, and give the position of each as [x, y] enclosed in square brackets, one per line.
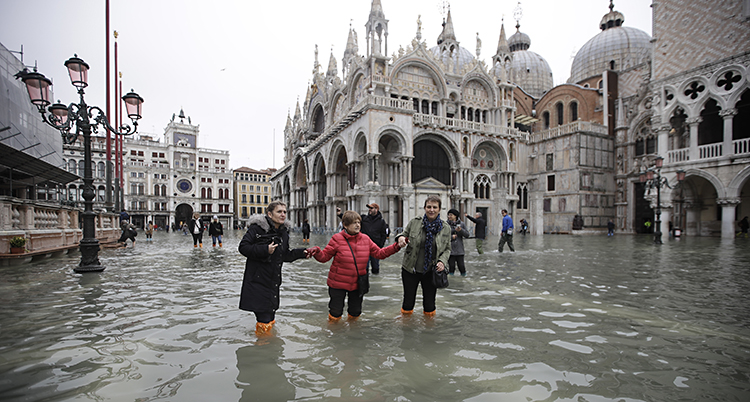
[348, 277]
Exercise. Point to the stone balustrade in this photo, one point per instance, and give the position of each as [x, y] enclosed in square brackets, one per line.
[48, 225]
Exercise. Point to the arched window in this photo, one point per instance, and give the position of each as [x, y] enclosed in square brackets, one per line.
[478, 115]
[560, 110]
[435, 108]
[573, 111]
[101, 193]
[157, 189]
[208, 193]
[164, 190]
[711, 128]
[645, 142]
[425, 106]
[482, 187]
[430, 160]
[101, 169]
[523, 196]
[319, 123]
[141, 189]
[72, 167]
[545, 119]
[81, 168]
[741, 121]
[203, 192]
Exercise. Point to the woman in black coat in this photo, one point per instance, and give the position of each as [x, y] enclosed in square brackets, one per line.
[266, 246]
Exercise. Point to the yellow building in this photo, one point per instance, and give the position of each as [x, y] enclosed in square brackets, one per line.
[252, 192]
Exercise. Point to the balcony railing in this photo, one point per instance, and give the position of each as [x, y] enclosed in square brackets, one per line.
[570, 128]
[465, 125]
[741, 146]
[678, 155]
[709, 151]
[48, 225]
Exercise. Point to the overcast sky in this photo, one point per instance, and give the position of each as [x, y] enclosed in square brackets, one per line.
[238, 67]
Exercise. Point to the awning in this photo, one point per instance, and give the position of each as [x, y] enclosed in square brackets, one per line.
[525, 120]
[29, 169]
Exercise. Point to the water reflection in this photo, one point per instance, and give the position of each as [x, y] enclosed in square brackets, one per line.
[564, 318]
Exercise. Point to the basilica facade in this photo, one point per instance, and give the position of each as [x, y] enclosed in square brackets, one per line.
[486, 136]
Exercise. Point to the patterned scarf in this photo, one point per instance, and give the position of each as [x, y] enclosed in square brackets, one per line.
[431, 229]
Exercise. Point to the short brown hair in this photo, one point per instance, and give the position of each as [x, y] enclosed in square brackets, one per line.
[433, 198]
[350, 217]
[273, 205]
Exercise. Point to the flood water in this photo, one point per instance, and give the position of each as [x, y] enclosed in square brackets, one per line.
[565, 318]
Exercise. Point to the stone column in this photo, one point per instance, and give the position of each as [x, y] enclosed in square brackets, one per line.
[666, 216]
[662, 141]
[727, 215]
[728, 147]
[693, 123]
[692, 218]
[391, 215]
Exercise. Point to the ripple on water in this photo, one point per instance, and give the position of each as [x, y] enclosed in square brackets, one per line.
[161, 322]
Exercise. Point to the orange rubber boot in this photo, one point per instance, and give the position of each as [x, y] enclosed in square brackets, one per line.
[332, 319]
[263, 329]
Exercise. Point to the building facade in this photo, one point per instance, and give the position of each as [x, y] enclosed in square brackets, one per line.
[166, 181]
[252, 192]
[489, 136]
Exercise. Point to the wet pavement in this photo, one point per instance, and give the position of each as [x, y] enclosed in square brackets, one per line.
[565, 318]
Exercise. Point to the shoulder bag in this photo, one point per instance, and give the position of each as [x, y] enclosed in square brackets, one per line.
[363, 281]
[439, 278]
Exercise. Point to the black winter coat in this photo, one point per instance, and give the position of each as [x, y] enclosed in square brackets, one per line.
[375, 227]
[262, 279]
[215, 229]
[480, 228]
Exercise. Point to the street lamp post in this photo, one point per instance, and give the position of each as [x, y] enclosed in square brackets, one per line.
[652, 179]
[74, 120]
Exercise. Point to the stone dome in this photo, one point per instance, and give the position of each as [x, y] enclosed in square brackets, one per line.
[464, 57]
[625, 46]
[519, 41]
[531, 72]
[528, 70]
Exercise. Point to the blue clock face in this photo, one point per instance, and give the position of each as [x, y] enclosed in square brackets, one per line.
[184, 185]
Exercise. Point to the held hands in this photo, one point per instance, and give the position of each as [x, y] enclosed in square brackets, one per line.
[312, 251]
[403, 241]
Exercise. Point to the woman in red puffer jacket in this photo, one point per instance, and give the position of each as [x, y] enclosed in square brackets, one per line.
[350, 251]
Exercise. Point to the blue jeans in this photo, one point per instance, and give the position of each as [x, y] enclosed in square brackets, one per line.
[216, 237]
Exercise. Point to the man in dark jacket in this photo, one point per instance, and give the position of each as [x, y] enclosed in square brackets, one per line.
[374, 226]
[216, 231]
[480, 229]
[266, 246]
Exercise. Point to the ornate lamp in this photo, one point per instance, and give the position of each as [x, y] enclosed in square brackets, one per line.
[74, 120]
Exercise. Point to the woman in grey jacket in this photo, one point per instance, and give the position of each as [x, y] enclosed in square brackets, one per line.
[458, 232]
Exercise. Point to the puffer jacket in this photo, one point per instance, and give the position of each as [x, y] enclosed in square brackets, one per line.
[343, 273]
[262, 279]
[416, 235]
